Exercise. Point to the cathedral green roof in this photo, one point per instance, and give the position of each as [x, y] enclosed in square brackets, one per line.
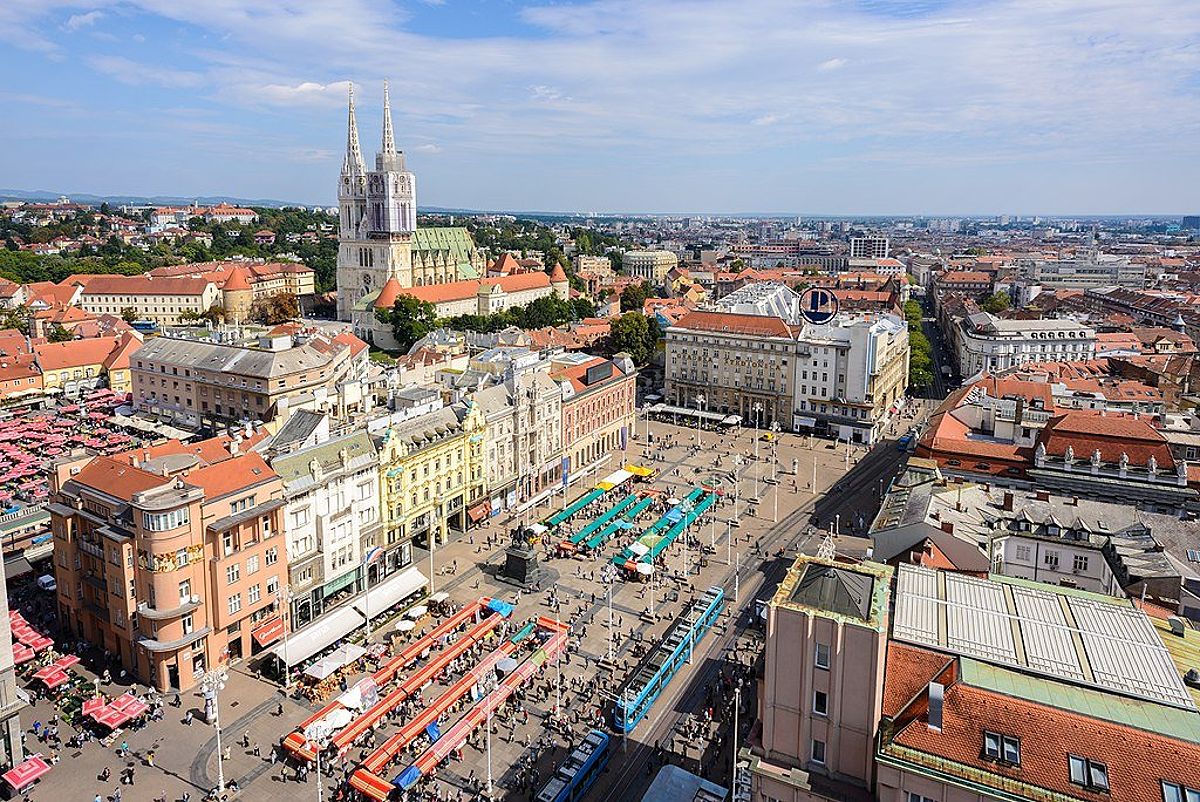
[455, 239]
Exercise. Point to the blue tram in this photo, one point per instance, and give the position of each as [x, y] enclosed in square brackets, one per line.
[571, 781]
[639, 691]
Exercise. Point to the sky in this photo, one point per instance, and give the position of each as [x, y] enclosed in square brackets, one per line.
[836, 107]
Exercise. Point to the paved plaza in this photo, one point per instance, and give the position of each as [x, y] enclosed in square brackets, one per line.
[773, 519]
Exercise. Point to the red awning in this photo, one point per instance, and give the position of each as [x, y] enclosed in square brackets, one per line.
[25, 773]
[58, 677]
[21, 654]
[268, 632]
[92, 705]
[479, 511]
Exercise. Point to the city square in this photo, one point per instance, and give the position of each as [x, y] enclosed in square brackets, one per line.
[725, 543]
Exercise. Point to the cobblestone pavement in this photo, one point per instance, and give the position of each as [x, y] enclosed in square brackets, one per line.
[186, 757]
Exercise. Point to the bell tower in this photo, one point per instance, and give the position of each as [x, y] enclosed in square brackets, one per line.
[377, 217]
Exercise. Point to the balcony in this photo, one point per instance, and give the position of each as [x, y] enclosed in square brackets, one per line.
[154, 645]
[155, 614]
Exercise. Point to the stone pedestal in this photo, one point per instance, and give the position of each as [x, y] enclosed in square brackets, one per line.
[521, 566]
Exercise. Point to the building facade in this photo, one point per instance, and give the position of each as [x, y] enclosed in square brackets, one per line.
[169, 557]
[988, 343]
[197, 383]
[651, 266]
[523, 446]
[868, 247]
[164, 300]
[432, 480]
[598, 408]
[333, 519]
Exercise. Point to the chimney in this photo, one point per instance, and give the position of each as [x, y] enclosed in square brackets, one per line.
[936, 695]
[235, 443]
[948, 527]
[1008, 501]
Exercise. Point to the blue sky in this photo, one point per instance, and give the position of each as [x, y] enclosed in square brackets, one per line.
[818, 106]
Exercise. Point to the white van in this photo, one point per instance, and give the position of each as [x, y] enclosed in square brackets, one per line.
[47, 583]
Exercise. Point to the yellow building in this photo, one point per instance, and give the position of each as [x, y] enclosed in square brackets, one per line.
[432, 476]
[74, 367]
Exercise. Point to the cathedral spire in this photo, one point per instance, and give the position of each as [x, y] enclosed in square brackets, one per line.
[389, 141]
[353, 163]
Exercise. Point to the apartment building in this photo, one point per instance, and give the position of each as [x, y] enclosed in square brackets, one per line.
[843, 379]
[868, 247]
[988, 343]
[12, 750]
[598, 407]
[900, 693]
[199, 383]
[1087, 270]
[163, 300]
[432, 480]
[333, 519]
[523, 436]
[169, 557]
[265, 278]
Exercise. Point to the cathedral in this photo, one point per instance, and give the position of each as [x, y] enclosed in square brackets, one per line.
[378, 238]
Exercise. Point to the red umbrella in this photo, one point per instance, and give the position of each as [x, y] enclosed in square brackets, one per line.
[92, 705]
[23, 774]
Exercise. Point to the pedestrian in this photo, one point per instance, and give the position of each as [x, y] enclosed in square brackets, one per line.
[150, 758]
[257, 751]
[246, 740]
[187, 718]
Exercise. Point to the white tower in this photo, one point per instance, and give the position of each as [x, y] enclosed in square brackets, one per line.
[378, 214]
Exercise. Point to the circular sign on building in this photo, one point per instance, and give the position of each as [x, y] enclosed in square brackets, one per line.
[818, 305]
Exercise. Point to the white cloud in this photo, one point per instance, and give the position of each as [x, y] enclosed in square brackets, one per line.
[427, 148]
[831, 64]
[77, 21]
[300, 94]
[134, 73]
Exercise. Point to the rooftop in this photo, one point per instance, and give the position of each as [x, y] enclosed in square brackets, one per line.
[1067, 634]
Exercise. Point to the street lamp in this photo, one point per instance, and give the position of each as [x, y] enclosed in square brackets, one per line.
[315, 736]
[211, 684]
[757, 422]
[699, 409]
[283, 594]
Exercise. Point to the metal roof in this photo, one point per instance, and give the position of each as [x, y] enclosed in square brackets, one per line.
[1073, 636]
[828, 587]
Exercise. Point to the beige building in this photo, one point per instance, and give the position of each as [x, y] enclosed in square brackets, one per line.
[198, 383]
[163, 300]
[265, 278]
[652, 266]
[523, 437]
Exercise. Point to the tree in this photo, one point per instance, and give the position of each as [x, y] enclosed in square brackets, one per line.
[129, 314]
[582, 307]
[996, 303]
[630, 333]
[633, 297]
[278, 308]
[410, 319]
[59, 335]
[15, 319]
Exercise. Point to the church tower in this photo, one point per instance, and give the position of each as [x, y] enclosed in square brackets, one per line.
[377, 217]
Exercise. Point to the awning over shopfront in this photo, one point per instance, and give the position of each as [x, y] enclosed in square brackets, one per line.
[480, 511]
[334, 661]
[316, 636]
[391, 590]
[268, 632]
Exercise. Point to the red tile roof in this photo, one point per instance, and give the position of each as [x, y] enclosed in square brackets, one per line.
[117, 478]
[1111, 434]
[237, 280]
[459, 290]
[231, 476]
[388, 294]
[1137, 761]
[757, 325]
[74, 353]
[908, 670]
[145, 285]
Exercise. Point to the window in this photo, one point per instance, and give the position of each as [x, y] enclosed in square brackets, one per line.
[273, 584]
[820, 703]
[187, 624]
[233, 573]
[1023, 553]
[818, 751]
[1080, 563]
[161, 522]
[255, 594]
[1088, 773]
[1173, 792]
[1051, 560]
[1004, 748]
[241, 504]
[235, 603]
[911, 797]
[821, 658]
[185, 590]
[227, 543]
[272, 555]
[252, 564]
[299, 517]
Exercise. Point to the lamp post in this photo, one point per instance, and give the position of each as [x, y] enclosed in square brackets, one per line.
[371, 556]
[699, 409]
[315, 736]
[282, 595]
[757, 425]
[610, 620]
[211, 684]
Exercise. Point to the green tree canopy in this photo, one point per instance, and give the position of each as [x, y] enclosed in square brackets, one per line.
[410, 319]
[631, 333]
[996, 303]
[633, 297]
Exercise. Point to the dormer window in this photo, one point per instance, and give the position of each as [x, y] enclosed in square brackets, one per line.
[1088, 773]
[1002, 748]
